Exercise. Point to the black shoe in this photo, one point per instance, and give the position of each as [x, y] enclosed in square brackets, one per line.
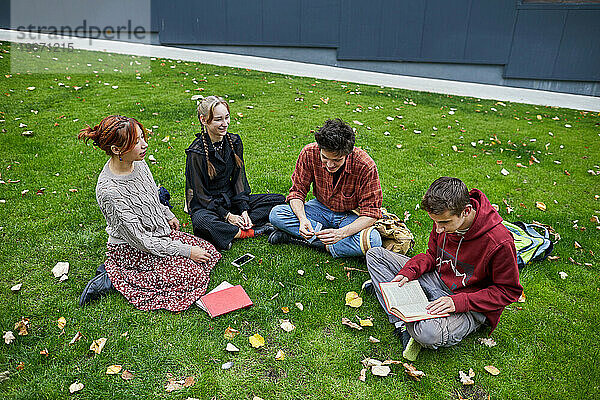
[98, 286]
[281, 237]
[368, 287]
[403, 334]
[265, 229]
[101, 269]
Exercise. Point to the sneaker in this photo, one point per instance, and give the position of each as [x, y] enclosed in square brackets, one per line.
[265, 229]
[100, 270]
[403, 334]
[279, 237]
[368, 287]
[412, 349]
[96, 287]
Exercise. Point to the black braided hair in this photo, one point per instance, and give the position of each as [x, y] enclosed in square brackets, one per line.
[212, 172]
[238, 160]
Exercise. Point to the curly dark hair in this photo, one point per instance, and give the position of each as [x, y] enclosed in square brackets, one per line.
[446, 193]
[335, 136]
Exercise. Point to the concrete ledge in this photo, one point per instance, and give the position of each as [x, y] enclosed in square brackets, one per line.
[493, 92]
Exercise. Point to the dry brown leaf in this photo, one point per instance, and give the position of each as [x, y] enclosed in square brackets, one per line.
[174, 385]
[329, 277]
[8, 337]
[113, 369]
[76, 387]
[370, 362]
[76, 338]
[127, 375]
[346, 321]
[16, 287]
[353, 300]
[363, 375]
[20, 366]
[522, 298]
[62, 322]
[380, 370]
[540, 205]
[189, 381]
[413, 372]
[391, 362]
[21, 326]
[577, 245]
[97, 345]
[466, 379]
[44, 352]
[230, 333]
[492, 370]
[285, 310]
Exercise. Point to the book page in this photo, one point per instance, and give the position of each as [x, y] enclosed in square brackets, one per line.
[409, 293]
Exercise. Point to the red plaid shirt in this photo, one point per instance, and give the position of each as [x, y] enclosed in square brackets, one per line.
[357, 188]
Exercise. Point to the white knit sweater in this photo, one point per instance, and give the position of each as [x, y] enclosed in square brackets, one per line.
[134, 214]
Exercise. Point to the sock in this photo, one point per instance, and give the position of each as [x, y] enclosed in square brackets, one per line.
[246, 233]
[412, 350]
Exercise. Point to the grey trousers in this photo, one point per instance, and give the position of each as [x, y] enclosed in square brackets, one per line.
[383, 266]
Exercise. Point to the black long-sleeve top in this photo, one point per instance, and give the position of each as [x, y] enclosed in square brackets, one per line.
[229, 189]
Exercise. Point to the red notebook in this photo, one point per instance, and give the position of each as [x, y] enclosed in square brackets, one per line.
[226, 300]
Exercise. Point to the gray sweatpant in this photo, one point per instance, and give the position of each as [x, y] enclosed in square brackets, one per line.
[383, 266]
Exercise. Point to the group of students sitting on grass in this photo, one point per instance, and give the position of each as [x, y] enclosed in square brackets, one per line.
[468, 271]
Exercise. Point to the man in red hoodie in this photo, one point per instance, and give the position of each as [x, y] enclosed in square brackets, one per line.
[469, 269]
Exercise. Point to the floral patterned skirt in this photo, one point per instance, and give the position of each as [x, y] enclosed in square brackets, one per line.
[151, 282]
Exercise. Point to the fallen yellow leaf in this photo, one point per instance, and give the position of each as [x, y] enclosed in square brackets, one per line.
[353, 299]
[113, 369]
[285, 310]
[256, 340]
[280, 355]
[75, 387]
[61, 323]
[286, 325]
[492, 370]
[540, 205]
[97, 345]
[365, 322]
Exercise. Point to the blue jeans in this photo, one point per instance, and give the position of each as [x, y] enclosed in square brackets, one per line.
[283, 218]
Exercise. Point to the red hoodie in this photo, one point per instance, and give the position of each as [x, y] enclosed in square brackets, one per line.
[480, 267]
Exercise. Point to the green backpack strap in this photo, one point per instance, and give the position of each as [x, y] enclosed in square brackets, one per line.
[529, 244]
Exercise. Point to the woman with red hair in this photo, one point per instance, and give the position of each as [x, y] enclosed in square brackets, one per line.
[148, 259]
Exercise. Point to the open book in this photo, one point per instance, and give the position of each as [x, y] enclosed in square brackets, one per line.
[408, 302]
[223, 299]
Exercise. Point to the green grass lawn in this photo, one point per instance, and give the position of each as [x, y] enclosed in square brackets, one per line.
[547, 346]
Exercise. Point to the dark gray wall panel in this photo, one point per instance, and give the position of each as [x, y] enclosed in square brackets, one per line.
[244, 21]
[445, 30]
[490, 31]
[464, 31]
[320, 23]
[280, 22]
[579, 52]
[535, 43]
[559, 43]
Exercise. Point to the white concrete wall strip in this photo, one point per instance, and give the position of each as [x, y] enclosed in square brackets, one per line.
[493, 92]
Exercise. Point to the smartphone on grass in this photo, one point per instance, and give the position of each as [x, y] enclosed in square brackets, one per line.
[246, 258]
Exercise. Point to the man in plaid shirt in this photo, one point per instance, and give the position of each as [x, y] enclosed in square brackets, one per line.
[347, 194]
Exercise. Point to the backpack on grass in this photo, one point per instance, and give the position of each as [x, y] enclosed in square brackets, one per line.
[529, 243]
[395, 235]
